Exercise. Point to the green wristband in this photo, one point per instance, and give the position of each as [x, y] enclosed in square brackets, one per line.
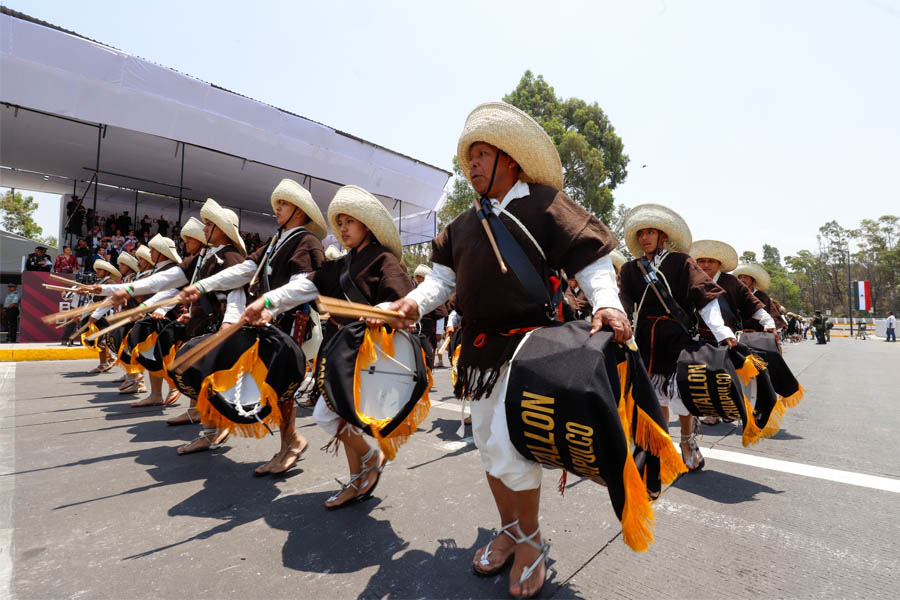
[267, 302]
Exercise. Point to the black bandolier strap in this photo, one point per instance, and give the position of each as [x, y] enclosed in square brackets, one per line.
[688, 322]
[349, 288]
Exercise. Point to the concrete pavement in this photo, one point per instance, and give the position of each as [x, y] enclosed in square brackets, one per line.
[96, 504]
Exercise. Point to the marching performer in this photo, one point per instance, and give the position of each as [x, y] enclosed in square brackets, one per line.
[757, 279]
[294, 251]
[225, 248]
[370, 273]
[433, 321]
[662, 289]
[107, 273]
[515, 167]
[131, 383]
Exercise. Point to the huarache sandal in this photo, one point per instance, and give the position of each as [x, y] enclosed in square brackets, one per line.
[263, 469]
[189, 417]
[210, 439]
[292, 453]
[150, 400]
[378, 468]
[344, 486]
[528, 571]
[172, 398]
[483, 560]
[691, 456]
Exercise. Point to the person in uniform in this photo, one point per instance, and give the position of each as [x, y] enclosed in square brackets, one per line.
[11, 312]
[664, 311]
[513, 164]
[294, 251]
[820, 325]
[369, 273]
[38, 260]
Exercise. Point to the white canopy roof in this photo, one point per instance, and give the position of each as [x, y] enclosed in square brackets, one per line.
[62, 92]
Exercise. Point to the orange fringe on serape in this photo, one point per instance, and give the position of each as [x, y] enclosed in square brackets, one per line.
[134, 367]
[390, 443]
[225, 380]
[794, 399]
[637, 514]
[95, 345]
[752, 367]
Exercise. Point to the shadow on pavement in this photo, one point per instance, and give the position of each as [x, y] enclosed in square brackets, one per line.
[721, 487]
[446, 430]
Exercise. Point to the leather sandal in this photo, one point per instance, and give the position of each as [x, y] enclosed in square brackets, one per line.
[210, 436]
[350, 484]
[187, 418]
[296, 453]
[487, 552]
[693, 460]
[354, 478]
[528, 571]
[379, 468]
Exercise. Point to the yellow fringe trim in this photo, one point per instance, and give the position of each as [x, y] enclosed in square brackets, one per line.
[134, 366]
[453, 360]
[637, 514]
[794, 399]
[751, 433]
[626, 400]
[390, 443]
[95, 345]
[651, 436]
[751, 368]
[248, 363]
[167, 362]
[775, 418]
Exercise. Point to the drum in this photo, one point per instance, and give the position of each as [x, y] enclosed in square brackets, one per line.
[239, 384]
[136, 352]
[377, 381]
[169, 340]
[99, 343]
[709, 382]
[581, 403]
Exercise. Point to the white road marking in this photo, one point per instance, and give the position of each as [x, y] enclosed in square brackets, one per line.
[773, 464]
[7, 484]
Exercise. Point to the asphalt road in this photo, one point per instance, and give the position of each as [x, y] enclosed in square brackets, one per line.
[94, 503]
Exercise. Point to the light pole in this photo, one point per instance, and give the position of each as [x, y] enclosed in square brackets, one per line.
[849, 290]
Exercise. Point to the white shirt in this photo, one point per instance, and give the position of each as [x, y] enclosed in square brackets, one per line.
[764, 318]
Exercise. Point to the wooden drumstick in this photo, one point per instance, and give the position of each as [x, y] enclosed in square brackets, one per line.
[79, 331]
[63, 279]
[182, 363]
[59, 288]
[74, 312]
[140, 310]
[343, 308]
[106, 330]
[490, 235]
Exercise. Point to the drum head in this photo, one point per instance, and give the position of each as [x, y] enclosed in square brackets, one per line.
[388, 383]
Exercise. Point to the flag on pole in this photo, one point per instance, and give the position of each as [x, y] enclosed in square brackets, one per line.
[863, 293]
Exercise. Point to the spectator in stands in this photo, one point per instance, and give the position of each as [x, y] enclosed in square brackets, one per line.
[66, 263]
[131, 241]
[146, 223]
[118, 240]
[82, 251]
[90, 218]
[109, 225]
[124, 222]
[101, 254]
[38, 260]
[162, 226]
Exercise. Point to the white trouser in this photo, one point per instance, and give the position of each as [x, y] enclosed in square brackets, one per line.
[669, 395]
[498, 455]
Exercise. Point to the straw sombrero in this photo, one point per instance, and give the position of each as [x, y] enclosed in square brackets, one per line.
[423, 271]
[759, 275]
[129, 261]
[656, 216]
[166, 247]
[143, 252]
[516, 133]
[226, 220]
[193, 229]
[332, 252]
[618, 259]
[291, 191]
[720, 251]
[101, 264]
[363, 206]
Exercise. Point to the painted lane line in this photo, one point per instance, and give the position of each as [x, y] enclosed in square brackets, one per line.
[7, 485]
[773, 464]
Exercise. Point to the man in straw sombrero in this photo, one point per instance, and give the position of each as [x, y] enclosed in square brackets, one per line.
[370, 269]
[107, 273]
[755, 277]
[716, 258]
[225, 248]
[294, 251]
[515, 167]
[664, 310]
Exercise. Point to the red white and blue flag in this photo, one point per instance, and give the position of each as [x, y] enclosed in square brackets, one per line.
[863, 295]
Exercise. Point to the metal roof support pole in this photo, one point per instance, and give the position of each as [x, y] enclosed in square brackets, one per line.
[181, 188]
[97, 167]
[135, 220]
[400, 223]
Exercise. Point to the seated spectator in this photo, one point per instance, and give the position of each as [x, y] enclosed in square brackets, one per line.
[38, 260]
[66, 263]
[118, 240]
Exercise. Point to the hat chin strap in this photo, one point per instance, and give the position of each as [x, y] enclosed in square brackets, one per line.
[485, 195]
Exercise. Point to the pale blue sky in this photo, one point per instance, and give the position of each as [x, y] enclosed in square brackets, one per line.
[758, 121]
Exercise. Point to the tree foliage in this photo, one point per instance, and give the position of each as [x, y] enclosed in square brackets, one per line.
[18, 211]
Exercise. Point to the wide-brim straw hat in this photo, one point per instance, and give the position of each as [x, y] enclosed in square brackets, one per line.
[193, 229]
[422, 271]
[166, 247]
[143, 252]
[657, 216]
[294, 193]
[757, 272]
[618, 259]
[226, 220]
[101, 264]
[332, 252]
[129, 261]
[516, 133]
[720, 251]
[363, 206]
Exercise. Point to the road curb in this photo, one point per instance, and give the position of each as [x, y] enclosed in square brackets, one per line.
[27, 354]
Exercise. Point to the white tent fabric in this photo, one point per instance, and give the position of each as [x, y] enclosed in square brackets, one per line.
[151, 118]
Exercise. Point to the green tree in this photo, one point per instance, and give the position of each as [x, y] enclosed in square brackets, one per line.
[748, 256]
[593, 157]
[18, 211]
[415, 255]
[461, 196]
